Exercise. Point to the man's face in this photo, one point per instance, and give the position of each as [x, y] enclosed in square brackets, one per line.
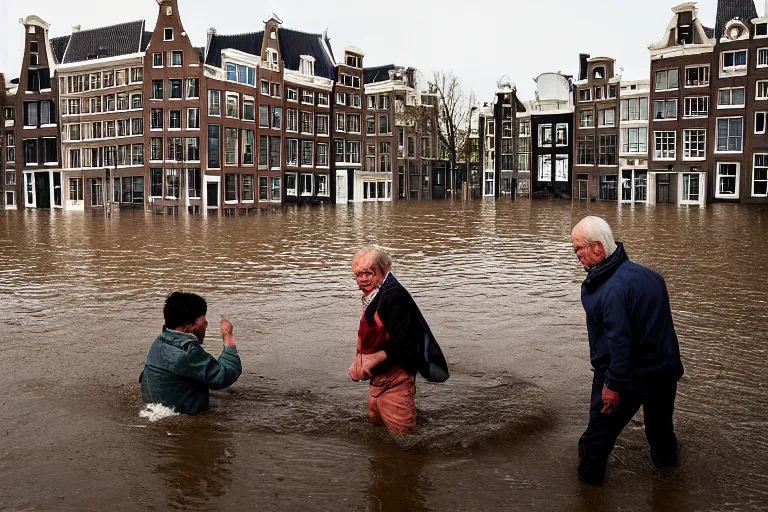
[199, 327]
[589, 254]
[367, 275]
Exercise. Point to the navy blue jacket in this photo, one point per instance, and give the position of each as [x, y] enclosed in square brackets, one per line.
[632, 339]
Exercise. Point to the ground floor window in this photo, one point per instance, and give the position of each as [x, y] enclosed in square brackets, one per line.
[75, 189]
[276, 189]
[290, 184]
[230, 187]
[490, 182]
[263, 188]
[156, 182]
[760, 175]
[132, 189]
[727, 184]
[322, 185]
[193, 183]
[608, 187]
[634, 186]
[10, 198]
[172, 183]
[96, 192]
[377, 190]
[307, 184]
[248, 192]
[691, 188]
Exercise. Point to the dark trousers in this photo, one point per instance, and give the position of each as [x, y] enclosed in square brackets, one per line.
[598, 440]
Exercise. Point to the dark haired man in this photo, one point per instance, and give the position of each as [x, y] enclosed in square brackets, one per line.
[179, 373]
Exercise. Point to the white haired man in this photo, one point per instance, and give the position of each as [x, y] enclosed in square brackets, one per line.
[393, 343]
[633, 349]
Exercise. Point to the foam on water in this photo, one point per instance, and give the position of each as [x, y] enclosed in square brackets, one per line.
[157, 412]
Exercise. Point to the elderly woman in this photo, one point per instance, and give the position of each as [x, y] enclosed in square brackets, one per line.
[393, 343]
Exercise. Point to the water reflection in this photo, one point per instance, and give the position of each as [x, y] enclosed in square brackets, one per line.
[397, 483]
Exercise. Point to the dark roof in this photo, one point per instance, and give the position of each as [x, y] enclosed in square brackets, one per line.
[709, 32]
[377, 74]
[112, 41]
[727, 10]
[59, 45]
[293, 44]
[145, 40]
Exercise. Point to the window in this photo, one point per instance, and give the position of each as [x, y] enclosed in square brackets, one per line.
[136, 102]
[607, 150]
[214, 151]
[277, 118]
[263, 116]
[664, 145]
[691, 188]
[322, 185]
[275, 189]
[585, 95]
[193, 118]
[353, 123]
[248, 192]
[292, 120]
[760, 175]
[762, 57]
[634, 140]
[608, 189]
[75, 189]
[96, 192]
[307, 150]
[561, 135]
[306, 122]
[729, 134]
[322, 124]
[586, 119]
[292, 94]
[354, 61]
[156, 149]
[696, 106]
[137, 154]
[371, 102]
[214, 103]
[586, 150]
[733, 98]
[322, 155]
[727, 180]
[322, 99]
[306, 184]
[193, 88]
[307, 97]
[606, 117]
[385, 158]
[292, 152]
[697, 76]
[545, 135]
[231, 146]
[263, 188]
[137, 75]
[275, 91]
[694, 144]
[156, 119]
[156, 182]
[172, 183]
[249, 110]
[46, 113]
[733, 61]
[352, 155]
[233, 109]
[761, 87]
[274, 152]
[232, 73]
[290, 184]
[384, 125]
[666, 80]
[34, 49]
[384, 102]
[760, 122]
[263, 151]
[248, 153]
[31, 114]
[30, 151]
[177, 58]
[174, 119]
[193, 149]
[340, 122]
[193, 183]
[157, 60]
[338, 150]
[664, 109]
[230, 187]
[634, 109]
[761, 30]
[341, 98]
[545, 168]
[157, 89]
[598, 93]
[176, 89]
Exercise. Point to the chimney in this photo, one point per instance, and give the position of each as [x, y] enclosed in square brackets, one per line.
[209, 35]
[583, 65]
[75, 28]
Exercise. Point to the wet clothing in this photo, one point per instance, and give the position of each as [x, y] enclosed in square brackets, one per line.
[634, 351]
[391, 322]
[178, 373]
[392, 400]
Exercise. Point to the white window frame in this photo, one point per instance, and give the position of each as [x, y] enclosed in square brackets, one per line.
[664, 110]
[734, 70]
[291, 191]
[674, 145]
[764, 84]
[165, 34]
[764, 115]
[640, 143]
[764, 52]
[754, 165]
[587, 96]
[688, 107]
[731, 105]
[698, 66]
[720, 195]
[687, 146]
[291, 91]
[717, 136]
[667, 87]
[601, 115]
[311, 176]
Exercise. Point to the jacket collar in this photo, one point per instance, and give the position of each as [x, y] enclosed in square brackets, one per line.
[597, 274]
[176, 338]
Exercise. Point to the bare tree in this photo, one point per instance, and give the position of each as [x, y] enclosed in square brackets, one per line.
[454, 107]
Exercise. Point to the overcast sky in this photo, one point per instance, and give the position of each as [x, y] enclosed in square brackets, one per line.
[480, 40]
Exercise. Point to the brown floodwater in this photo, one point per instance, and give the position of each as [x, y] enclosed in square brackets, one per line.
[81, 301]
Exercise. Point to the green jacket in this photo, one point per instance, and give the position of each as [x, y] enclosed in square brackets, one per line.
[178, 372]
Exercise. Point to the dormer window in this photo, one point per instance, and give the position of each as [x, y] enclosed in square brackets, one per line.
[168, 34]
[599, 73]
[272, 59]
[761, 29]
[307, 66]
[273, 34]
[354, 61]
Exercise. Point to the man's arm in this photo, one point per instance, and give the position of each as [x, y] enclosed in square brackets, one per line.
[402, 322]
[618, 332]
[217, 374]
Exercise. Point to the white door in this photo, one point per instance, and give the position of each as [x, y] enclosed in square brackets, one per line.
[341, 186]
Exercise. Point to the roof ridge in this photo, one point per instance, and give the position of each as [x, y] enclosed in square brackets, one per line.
[299, 32]
[110, 26]
[238, 35]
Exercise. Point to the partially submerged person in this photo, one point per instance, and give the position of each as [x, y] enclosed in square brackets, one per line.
[178, 373]
[394, 343]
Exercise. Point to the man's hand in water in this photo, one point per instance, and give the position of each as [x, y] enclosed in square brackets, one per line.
[227, 332]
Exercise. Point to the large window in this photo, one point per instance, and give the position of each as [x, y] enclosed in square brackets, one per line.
[634, 109]
[760, 175]
[230, 187]
[733, 97]
[307, 122]
[664, 145]
[665, 109]
[241, 73]
[606, 117]
[233, 109]
[727, 186]
[545, 168]
[231, 135]
[586, 150]
[608, 150]
[307, 150]
[193, 183]
[96, 192]
[730, 134]
[697, 106]
[666, 80]
[733, 61]
[322, 124]
[75, 189]
[608, 187]
[274, 152]
[248, 192]
[545, 135]
[248, 153]
[292, 152]
[696, 76]
[214, 103]
[634, 140]
[561, 134]
[586, 119]
[694, 144]
[292, 120]
[214, 149]
[156, 182]
[322, 155]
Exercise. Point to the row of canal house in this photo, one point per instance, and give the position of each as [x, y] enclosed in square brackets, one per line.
[130, 118]
[695, 133]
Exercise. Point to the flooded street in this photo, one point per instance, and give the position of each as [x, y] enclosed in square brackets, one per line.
[499, 284]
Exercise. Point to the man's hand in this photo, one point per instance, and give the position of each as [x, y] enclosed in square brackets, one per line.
[356, 370]
[610, 401]
[227, 332]
[371, 361]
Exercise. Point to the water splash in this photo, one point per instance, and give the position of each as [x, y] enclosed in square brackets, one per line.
[157, 412]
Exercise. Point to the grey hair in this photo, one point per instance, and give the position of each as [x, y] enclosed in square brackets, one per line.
[379, 257]
[596, 229]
